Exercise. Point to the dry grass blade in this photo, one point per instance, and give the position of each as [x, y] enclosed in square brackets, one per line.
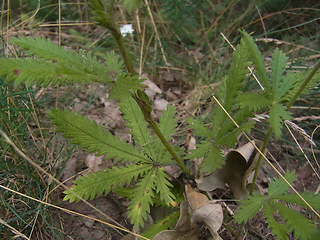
[73, 212]
[157, 34]
[52, 178]
[312, 150]
[15, 231]
[255, 77]
[300, 148]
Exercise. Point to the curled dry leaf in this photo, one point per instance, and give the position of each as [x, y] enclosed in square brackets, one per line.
[237, 171]
[175, 235]
[212, 216]
[196, 208]
[201, 210]
[195, 199]
[184, 229]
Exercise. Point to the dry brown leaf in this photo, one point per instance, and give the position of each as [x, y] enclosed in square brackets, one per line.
[201, 210]
[240, 165]
[174, 235]
[212, 216]
[194, 198]
[184, 222]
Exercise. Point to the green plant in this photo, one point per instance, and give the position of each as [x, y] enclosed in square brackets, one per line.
[142, 165]
[280, 217]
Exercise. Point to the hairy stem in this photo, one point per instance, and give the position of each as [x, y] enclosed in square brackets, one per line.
[168, 147]
[112, 26]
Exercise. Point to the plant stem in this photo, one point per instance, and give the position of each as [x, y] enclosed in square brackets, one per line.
[303, 86]
[112, 26]
[178, 160]
[263, 150]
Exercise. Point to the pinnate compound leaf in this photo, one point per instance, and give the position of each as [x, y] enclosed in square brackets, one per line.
[279, 186]
[278, 66]
[167, 124]
[311, 198]
[98, 183]
[283, 92]
[237, 74]
[212, 156]
[253, 101]
[30, 71]
[138, 126]
[124, 86]
[278, 229]
[249, 207]
[114, 63]
[78, 64]
[161, 225]
[213, 159]
[301, 226]
[277, 115]
[140, 204]
[163, 187]
[89, 135]
[257, 59]
[199, 128]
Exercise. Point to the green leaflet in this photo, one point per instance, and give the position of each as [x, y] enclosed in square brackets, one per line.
[162, 186]
[283, 92]
[249, 207]
[278, 66]
[311, 198]
[161, 225]
[230, 90]
[167, 125]
[124, 86]
[80, 63]
[92, 136]
[301, 226]
[138, 126]
[199, 127]
[35, 71]
[279, 186]
[212, 156]
[98, 183]
[238, 71]
[140, 204]
[258, 61]
[278, 229]
[113, 63]
[254, 101]
[30, 71]
[290, 220]
[277, 115]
